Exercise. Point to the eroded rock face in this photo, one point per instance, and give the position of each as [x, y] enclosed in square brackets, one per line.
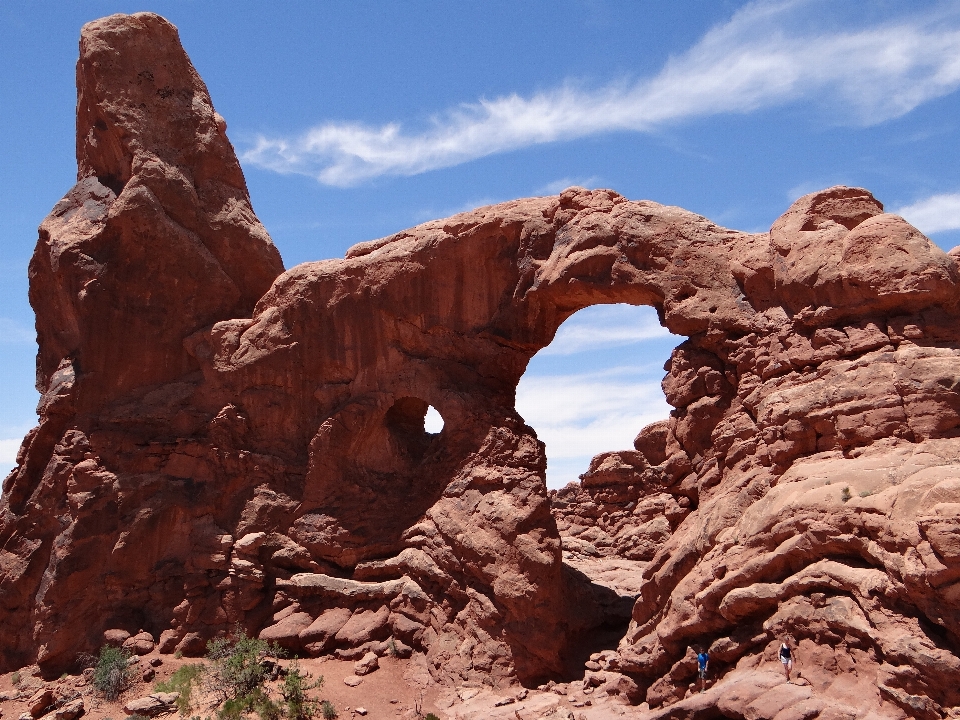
[215, 449]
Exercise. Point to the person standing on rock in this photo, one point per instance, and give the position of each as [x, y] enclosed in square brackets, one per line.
[703, 661]
[786, 655]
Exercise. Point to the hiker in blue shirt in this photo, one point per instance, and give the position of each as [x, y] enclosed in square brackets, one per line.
[703, 660]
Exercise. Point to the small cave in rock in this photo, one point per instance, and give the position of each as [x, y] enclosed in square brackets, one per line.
[406, 421]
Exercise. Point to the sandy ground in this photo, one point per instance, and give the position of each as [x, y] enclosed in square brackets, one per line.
[395, 690]
[398, 689]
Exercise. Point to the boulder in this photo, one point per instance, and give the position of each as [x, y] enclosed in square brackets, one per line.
[40, 702]
[286, 633]
[367, 664]
[168, 641]
[152, 705]
[318, 636]
[364, 626]
[140, 644]
[192, 645]
[68, 711]
[115, 637]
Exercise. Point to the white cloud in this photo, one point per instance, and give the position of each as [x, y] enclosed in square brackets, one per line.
[588, 402]
[579, 416]
[605, 327]
[8, 455]
[757, 59]
[933, 214]
[15, 333]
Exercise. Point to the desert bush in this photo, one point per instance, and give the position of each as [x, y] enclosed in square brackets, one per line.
[235, 671]
[15, 678]
[233, 709]
[431, 716]
[257, 701]
[845, 494]
[296, 694]
[182, 681]
[267, 708]
[112, 674]
[236, 676]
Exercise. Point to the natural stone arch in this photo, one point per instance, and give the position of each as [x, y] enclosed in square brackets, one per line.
[458, 309]
[181, 486]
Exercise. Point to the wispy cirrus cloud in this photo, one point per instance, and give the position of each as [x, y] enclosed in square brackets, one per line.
[578, 416]
[608, 327]
[758, 59]
[8, 452]
[933, 214]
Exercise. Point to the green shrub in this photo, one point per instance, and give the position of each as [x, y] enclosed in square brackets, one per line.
[15, 678]
[328, 710]
[865, 493]
[232, 709]
[431, 716]
[296, 697]
[235, 670]
[182, 681]
[266, 708]
[112, 672]
[845, 494]
[255, 701]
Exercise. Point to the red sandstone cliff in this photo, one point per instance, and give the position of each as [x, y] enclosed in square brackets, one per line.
[215, 449]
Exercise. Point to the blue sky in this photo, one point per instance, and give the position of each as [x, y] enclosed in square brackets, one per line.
[357, 119]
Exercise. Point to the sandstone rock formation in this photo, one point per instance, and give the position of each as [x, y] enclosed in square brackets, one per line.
[223, 444]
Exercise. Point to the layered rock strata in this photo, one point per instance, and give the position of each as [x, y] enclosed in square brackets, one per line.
[221, 442]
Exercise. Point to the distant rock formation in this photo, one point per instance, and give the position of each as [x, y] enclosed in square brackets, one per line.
[222, 442]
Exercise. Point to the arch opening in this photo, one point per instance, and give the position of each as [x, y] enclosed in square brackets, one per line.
[596, 385]
[591, 391]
